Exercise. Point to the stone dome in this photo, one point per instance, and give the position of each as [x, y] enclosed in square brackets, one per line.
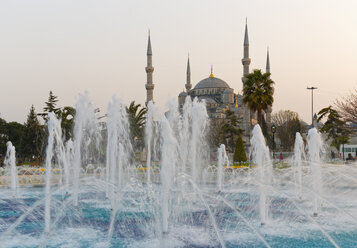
[228, 91]
[211, 82]
[183, 93]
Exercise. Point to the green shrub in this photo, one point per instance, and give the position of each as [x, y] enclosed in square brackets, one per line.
[239, 152]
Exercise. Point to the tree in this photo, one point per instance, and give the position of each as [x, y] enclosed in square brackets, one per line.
[230, 129]
[65, 114]
[287, 124]
[347, 107]
[3, 138]
[33, 142]
[137, 121]
[50, 107]
[239, 152]
[334, 127]
[67, 121]
[215, 137]
[15, 133]
[258, 92]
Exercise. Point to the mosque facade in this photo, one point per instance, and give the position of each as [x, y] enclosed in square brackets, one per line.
[217, 94]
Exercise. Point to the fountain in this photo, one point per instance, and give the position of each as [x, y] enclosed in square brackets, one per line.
[97, 193]
[222, 159]
[298, 158]
[10, 163]
[261, 157]
[315, 149]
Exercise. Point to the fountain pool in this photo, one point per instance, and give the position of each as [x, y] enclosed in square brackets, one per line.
[182, 200]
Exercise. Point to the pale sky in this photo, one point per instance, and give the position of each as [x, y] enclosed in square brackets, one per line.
[69, 46]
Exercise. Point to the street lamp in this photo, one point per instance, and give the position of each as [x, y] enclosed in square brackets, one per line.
[273, 130]
[312, 103]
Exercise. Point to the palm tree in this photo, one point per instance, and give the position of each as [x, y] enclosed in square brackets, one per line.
[258, 92]
[137, 120]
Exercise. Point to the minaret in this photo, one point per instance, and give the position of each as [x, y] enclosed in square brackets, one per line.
[267, 67]
[246, 62]
[269, 110]
[246, 59]
[149, 70]
[188, 84]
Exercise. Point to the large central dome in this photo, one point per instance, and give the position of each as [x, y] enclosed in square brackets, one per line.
[211, 82]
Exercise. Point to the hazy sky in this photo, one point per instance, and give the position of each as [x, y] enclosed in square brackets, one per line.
[69, 46]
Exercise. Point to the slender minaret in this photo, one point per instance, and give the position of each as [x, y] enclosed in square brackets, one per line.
[269, 110]
[267, 67]
[149, 70]
[246, 59]
[246, 62]
[188, 84]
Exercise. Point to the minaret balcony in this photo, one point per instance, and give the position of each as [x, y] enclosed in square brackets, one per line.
[149, 69]
[149, 86]
[246, 61]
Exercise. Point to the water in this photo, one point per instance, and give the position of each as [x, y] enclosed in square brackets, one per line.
[261, 157]
[98, 195]
[10, 163]
[298, 158]
[222, 160]
[315, 149]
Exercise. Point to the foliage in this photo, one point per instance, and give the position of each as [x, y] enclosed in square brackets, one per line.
[67, 121]
[258, 92]
[239, 152]
[3, 138]
[15, 133]
[215, 137]
[287, 124]
[65, 114]
[137, 120]
[33, 139]
[334, 127]
[50, 107]
[347, 107]
[230, 129]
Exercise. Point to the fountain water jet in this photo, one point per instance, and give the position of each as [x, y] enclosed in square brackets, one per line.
[10, 163]
[299, 156]
[261, 157]
[148, 138]
[168, 160]
[222, 159]
[118, 148]
[315, 149]
[86, 132]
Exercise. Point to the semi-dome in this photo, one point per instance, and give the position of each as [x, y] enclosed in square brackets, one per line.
[211, 82]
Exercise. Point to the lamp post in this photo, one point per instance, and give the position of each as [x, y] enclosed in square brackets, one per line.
[273, 130]
[312, 103]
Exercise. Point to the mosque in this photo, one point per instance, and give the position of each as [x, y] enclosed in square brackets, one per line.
[217, 93]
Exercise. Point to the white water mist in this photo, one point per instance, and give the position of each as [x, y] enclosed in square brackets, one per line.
[118, 148]
[86, 137]
[168, 160]
[222, 159]
[298, 158]
[315, 149]
[261, 157]
[10, 163]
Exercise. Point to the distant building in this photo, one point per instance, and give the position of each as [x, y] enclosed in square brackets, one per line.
[217, 93]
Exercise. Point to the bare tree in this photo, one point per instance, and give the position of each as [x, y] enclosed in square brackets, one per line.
[347, 107]
[287, 124]
[215, 136]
